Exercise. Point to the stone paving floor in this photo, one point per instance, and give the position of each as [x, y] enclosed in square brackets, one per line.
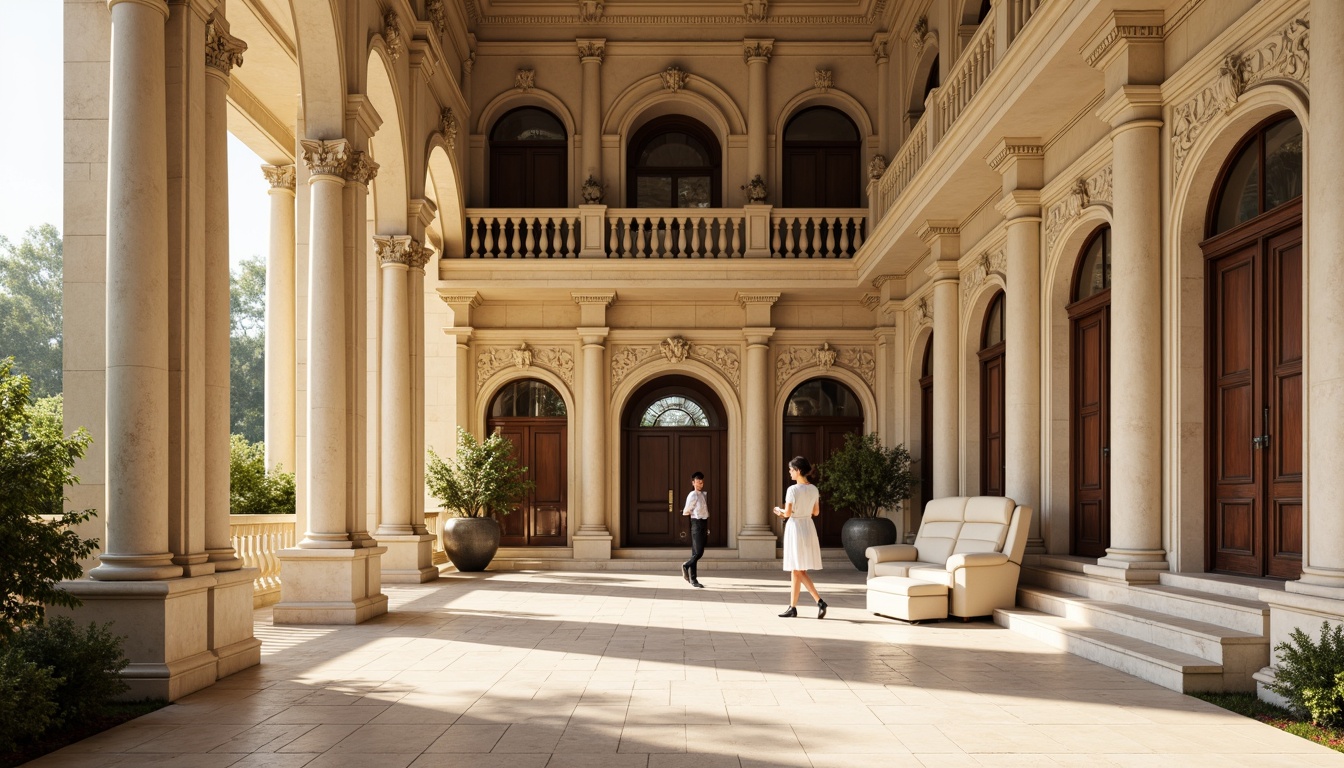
[639, 670]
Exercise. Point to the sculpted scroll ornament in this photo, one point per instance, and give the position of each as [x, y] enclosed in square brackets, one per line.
[858, 359]
[222, 50]
[974, 276]
[448, 127]
[626, 359]
[823, 79]
[392, 35]
[1283, 55]
[674, 79]
[1091, 191]
[326, 158]
[279, 176]
[675, 349]
[922, 313]
[491, 360]
[726, 359]
[438, 15]
[361, 169]
[525, 79]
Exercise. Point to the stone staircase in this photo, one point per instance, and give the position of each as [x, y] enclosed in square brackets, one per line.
[1186, 632]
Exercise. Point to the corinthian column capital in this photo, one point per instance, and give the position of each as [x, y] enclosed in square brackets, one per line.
[223, 51]
[592, 50]
[279, 176]
[361, 169]
[420, 255]
[393, 249]
[757, 50]
[326, 158]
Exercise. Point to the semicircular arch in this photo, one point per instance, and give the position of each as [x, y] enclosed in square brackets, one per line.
[389, 188]
[513, 99]
[647, 99]
[317, 36]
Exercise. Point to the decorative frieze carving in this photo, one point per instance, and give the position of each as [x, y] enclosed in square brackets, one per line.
[326, 158]
[361, 169]
[626, 359]
[392, 35]
[223, 51]
[279, 176]
[823, 79]
[859, 359]
[525, 79]
[757, 49]
[448, 127]
[1282, 55]
[491, 360]
[726, 359]
[676, 349]
[975, 275]
[922, 313]
[674, 79]
[438, 15]
[590, 10]
[1093, 190]
[592, 49]
[420, 255]
[755, 11]
[877, 166]
[921, 36]
[393, 249]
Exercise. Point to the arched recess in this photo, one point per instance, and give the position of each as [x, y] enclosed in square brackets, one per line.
[926, 71]
[389, 189]
[973, 309]
[1059, 272]
[621, 394]
[1185, 530]
[991, 355]
[507, 102]
[532, 415]
[445, 186]
[831, 97]
[317, 36]
[819, 415]
[820, 159]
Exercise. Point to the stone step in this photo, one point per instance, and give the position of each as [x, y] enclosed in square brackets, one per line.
[1220, 584]
[1238, 652]
[1070, 563]
[1171, 669]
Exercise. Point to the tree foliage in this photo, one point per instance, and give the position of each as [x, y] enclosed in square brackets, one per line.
[252, 489]
[36, 459]
[247, 349]
[863, 477]
[484, 478]
[30, 306]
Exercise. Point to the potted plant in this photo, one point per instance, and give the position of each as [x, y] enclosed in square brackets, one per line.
[481, 482]
[864, 478]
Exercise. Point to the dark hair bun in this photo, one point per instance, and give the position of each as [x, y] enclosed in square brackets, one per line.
[801, 464]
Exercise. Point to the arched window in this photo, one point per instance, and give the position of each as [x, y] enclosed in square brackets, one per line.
[992, 391]
[1266, 173]
[1094, 271]
[993, 333]
[674, 411]
[823, 397]
[528, 165]
[528, 398]
[821, 160]
[674, 162]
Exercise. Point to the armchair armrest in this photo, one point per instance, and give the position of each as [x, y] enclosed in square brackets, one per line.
[975, 560]
[887, 553]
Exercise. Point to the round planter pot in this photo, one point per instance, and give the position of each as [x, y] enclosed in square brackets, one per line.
[860, 533]
[471, 542]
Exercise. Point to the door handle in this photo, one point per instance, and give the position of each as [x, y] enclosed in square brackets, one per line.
[1105, 451]
[669, 500]
[1263, 440]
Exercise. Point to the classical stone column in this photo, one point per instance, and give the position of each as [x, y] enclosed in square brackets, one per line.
[591, 54]
[755, 539]
[1020, 163]
[592, 541]
[136, 545]
[885, 96]
[945, 244]
[756, 53]
[394, 253]
[280, 345]
[222, 53]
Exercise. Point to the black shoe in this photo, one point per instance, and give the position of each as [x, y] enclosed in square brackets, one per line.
[685, 572]
[821, 608]
[789, 614]
[697, 584]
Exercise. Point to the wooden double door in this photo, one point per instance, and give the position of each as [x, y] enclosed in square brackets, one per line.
[1090, 425]
[659, 462]
[540, 444]
[1254, 397]
[992, 456]
[817, 437]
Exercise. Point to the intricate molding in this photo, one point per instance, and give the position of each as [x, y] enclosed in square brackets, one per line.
[727, 359]
[757, 298]
[626, 359]
[326, 158]
[603, 298]
[882, 280]
[471, 300]
[223, 51]
[393, 249]
[525, 79]
[875, 16]
[592, 190]
[975, 275]
[877, 166]
[1282, 55]
[361, 169]
[448, 127]
[420, 255]
[438, 15]
[859, 359]
[921, 36]
[1001, 154]
[590, 11]
[1093, 190]
[757, 49]
[491, 360]
[279, 176]
[592, 49]
[823, 79]
[1125, 32]
[675, 349]
[755, 11]
[469, 64]
[392, 35]
[870, 301]
[674, 79]
[921, 314]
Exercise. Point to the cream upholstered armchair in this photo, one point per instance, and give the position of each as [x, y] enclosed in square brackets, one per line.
[971, 545]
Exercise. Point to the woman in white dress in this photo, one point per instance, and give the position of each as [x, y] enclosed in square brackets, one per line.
[802, 548]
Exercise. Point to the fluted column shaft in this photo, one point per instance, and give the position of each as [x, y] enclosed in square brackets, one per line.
[756, 486]
[395, 364]
[591, 53]
[136, 545]
[281, 360]
[946, 381]
[594, 433]
[757, 54]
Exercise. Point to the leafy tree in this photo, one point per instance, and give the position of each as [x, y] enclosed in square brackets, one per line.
[864, 477]
[253, 490]
[36, 459]
[247, 349]
[30, 306]
[484, 478]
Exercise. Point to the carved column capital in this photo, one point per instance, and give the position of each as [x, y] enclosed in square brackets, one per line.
[757, 50]
[420, 255]
[592, 50]
[361, 169]
[223, 51]
[393, 250]
[326, 158]
[279, 176]
[448, 127]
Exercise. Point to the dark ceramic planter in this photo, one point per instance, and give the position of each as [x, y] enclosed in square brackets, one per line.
[471, 542]
[860, 533]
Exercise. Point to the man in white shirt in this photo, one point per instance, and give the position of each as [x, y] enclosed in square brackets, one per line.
[697, 508]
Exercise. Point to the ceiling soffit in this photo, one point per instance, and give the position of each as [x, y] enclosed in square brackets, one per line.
[642, 13]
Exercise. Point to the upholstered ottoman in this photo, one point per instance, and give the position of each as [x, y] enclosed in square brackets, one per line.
[908, 599]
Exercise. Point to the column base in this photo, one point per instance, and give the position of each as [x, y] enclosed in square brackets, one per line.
[231, 638]
[592, 546]
[1036, 546]
[166, 624]
[409, 559]
[1295, 609]
[756, 546]
[1130, 567]
[330, 586]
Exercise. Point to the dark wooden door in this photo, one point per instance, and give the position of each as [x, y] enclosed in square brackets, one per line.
[659, 462]
[991, 421]
[539, 520]
[1255, 343]
[528, 177]
[1089, 426]
[926, 437]
[816, 438]
[821, 177]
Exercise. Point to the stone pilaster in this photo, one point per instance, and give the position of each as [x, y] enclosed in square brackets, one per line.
[756, 53]
[592, 541]
[944, 241]
[755, 539]
[591, 54]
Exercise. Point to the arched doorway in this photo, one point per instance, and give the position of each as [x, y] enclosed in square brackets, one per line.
[674, 162]
[821, 160]
[818, 415]
[991, 400]
[1090, 398]
[926, 425]
[532, 416]
[1253, 258]
[672, 426]
[528, 165]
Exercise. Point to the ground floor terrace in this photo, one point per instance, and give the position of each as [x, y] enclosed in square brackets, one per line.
[602, 668]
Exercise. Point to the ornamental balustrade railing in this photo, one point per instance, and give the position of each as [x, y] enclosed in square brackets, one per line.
[257, 539]
[595, 231]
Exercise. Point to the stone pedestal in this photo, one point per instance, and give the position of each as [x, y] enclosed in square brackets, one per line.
[588, 546]
[230, 632]
[409, 558]
[330, 586]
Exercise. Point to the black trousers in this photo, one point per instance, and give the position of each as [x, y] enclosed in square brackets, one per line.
[699, 535]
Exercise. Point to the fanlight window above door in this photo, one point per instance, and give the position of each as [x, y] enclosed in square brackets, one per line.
[674, 411]
[528, 398]
[1094, 274]
[1266, 173]
[823, 397]
[993, 322]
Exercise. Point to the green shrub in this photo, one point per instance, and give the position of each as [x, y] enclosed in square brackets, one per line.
[27, 699]
[1311, 676]
[864, 478]
[89, 660]
[483, 479]
[253, 490]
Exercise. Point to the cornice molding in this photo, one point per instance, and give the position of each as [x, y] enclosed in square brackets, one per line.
[1008, 149]
[470, 300]
[590, 12]
[930, 231]
[1102, 51]
[594, 297]
[757, 298]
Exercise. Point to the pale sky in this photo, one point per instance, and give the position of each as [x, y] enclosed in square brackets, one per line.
[31, 63]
